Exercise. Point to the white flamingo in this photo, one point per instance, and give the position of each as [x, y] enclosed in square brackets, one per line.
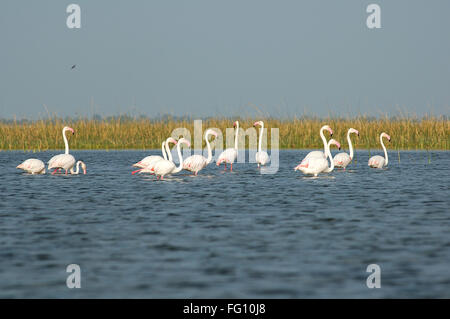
[196, 163]
[230, 154]
[63, 161]
[343, 159]
[151, 160]
[316, 165]
[83, 166]
[324, 140]
[378, 161]
[262, 158]
[33, 166]
[165, 167]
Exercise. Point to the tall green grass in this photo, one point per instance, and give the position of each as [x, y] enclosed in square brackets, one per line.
[428, 133]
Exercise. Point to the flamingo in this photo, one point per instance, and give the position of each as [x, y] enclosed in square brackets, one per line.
[152, 159]
[165, 167]
[83, 166]
[262, 158]
[230, 154]
[343, 159]
[324, 140]
[316, 165]
[196, 163]
[64, 161]
[33, 166]
[378, 161]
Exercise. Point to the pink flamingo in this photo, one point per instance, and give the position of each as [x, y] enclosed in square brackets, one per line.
[316, 165]
[324, 140]
[165, 167]
[230, 154]
[378, 161]
[343, 159]
[262, 158]
[196, 163]
[63, 161]
[151, 160]
[33, 166]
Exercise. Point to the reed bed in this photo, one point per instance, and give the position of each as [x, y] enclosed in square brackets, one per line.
[428, 133]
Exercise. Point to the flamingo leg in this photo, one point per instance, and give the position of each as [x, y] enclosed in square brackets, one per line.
[231, 169]
[225, 166]
[138, 170]
[66, 172]
[54, 171]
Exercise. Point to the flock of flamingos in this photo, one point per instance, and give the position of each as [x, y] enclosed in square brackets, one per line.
[314, 163]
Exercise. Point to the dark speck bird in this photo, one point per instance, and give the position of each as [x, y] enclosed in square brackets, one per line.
[73, 66]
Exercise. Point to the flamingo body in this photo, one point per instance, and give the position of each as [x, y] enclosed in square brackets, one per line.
[262, 158]
[342, 160]
[147, 161]
[313, 165]
[377, 161]
[32, 166]
[195, 163]
[228, 156]
[64, 161]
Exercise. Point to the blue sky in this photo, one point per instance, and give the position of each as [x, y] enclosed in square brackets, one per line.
[209, 57]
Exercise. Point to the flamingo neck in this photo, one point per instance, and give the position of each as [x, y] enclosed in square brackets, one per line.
[385, 151]
[169, 153]
[163, 150]
[261, 131]
[180, 156]
[209, 159]
[77, 171]
[236, 137]
[350, 144]
[328, 154]
[66, 143]
[324, 140]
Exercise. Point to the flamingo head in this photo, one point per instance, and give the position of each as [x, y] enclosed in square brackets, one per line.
[171, 140]
[352, 130]
[386, 136]
[260, 123]
[328, 128]
[185, 141]
[236, 124]
[332, 141]
[83, 167]
[66, 128]
[211, 132]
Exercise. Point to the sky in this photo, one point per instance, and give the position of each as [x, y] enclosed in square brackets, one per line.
[205, 58]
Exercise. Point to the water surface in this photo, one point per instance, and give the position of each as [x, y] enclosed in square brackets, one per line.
[226, 235]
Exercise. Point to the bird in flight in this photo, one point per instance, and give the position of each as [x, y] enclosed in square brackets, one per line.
[73, 66]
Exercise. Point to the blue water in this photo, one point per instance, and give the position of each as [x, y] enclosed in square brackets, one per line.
[220, 234]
